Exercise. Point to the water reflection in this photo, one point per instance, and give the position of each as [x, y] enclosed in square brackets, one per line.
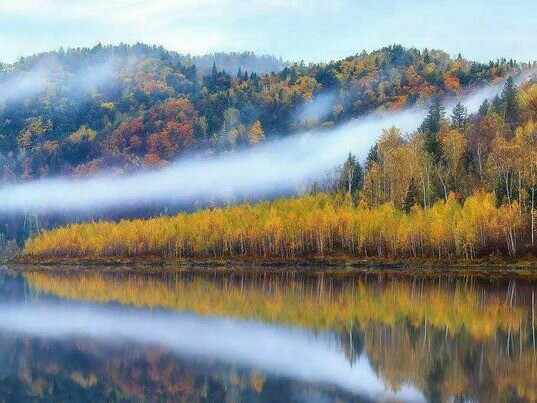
[272, 335]
[289, 352]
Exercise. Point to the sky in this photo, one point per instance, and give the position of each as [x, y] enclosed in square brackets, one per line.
[309, 30]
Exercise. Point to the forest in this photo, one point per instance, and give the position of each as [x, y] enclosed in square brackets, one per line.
[78, 111]
[461, 186]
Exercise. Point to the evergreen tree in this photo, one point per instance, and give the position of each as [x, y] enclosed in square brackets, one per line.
[510, 103]
[426, 57]
[351, 177]
[484, 108]
[459, 116]
[411, 197]
[372, 156]
[239, 74]
[498, 105]
[431, 128]
[214, 71]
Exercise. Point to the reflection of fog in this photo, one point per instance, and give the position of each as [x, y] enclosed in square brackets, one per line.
[284, 351]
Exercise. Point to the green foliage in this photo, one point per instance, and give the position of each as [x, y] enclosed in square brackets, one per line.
[459, 116]
[351, 178]
[411, 197]
[431, 128]
[510, 103]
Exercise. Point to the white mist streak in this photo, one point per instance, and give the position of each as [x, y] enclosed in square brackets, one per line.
[19, 85]
[291, 352]
[275, 167]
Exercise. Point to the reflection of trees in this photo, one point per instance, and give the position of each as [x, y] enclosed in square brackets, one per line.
[443, 364]
[85, 370]
[13, 287]
[450, 336]
[352, 342]
[80, 370]
[312, 301]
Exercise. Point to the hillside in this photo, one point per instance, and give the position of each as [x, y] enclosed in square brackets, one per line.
[78, 111]
[462, 186]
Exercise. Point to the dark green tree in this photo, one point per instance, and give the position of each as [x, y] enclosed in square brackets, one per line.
[510, 103]
[372, 156]
[412, 196]
[351, 177]
[214, 71]
[498, 105]
[484, 108]
[459, 116]
[431, 128]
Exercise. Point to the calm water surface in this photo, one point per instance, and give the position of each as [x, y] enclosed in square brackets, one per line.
[76, 334]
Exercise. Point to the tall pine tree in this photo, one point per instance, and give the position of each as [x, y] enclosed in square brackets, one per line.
[459, 116]
[510, 103]
[411, 196]
[431, 128]
[352, 177]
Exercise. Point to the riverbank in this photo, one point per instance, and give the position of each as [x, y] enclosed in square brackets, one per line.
[332, 263]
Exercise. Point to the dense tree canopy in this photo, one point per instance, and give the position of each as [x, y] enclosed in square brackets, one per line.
[78, 111]
[470, 195]
[146, 106]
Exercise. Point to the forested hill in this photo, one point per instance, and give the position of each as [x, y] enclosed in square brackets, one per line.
[78, 111]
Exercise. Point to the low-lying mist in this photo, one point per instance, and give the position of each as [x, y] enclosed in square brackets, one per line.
[20, 85]
[284, 351]
[271, 169]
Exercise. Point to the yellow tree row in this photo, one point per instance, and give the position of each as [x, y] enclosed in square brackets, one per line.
[317, 225]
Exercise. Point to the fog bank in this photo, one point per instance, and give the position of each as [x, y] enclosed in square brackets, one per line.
[276, 167]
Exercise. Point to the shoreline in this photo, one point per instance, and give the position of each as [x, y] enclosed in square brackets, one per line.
[335, 263]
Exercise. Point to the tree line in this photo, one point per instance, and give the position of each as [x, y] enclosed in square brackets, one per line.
[314, 225]
[459, 186]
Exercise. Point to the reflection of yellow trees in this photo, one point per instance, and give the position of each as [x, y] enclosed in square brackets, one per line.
[452, 366]
[449, 337]
[319, 305]
[306, 226]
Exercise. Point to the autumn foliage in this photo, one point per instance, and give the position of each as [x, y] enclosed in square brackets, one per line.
[318, 225]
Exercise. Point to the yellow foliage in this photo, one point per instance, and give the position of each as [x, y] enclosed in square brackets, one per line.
[306, 226]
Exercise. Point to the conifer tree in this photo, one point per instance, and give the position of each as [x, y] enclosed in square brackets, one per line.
[459, 116]
[510, 103]
[351, 176]
[498, 105]
[431, 128]
[372, 157]
[412, 196]
[484, 108]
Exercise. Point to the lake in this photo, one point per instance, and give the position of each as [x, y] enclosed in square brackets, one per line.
[104, 334]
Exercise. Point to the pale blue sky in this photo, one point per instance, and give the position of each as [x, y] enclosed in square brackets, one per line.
[294, 29]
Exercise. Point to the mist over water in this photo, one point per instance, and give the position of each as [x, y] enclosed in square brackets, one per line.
[284, 351]
[276, 167]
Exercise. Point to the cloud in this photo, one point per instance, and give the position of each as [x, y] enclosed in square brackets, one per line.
[307, 29]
